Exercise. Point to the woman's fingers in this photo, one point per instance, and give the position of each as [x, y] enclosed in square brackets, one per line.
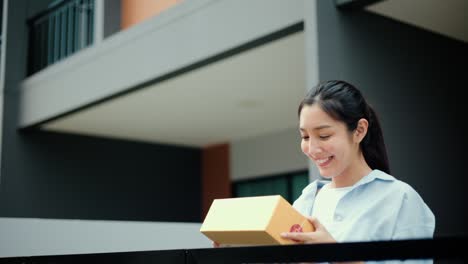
[298, 236]
[307, 236]
[315, 222]
[319, 235]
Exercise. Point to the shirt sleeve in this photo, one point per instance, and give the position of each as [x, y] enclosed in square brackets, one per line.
[415, 219]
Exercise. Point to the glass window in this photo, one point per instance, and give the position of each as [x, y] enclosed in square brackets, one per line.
[298, 183]
[287, 185]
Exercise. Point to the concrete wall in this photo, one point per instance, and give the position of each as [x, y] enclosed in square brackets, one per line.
[413, 79]
[52, 175]
[267, 155]
[55, 91]
[64, 176]
[280, 152]
[112, 10]
[35, 6]
[39, 237]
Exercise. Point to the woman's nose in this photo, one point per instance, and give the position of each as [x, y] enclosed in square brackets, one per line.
[314, 149]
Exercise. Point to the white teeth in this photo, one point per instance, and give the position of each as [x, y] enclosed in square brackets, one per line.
[321, 161]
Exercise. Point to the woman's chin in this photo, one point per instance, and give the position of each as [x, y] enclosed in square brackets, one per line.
[326, 174]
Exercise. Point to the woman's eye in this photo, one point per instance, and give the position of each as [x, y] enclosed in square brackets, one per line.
[324, 136]
[305, 137]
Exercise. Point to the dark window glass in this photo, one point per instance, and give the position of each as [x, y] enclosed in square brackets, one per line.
[287, 185]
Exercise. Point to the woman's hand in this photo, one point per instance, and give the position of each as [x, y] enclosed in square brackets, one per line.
[320, 235]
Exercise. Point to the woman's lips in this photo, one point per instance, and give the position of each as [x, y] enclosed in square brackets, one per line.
[324, 162]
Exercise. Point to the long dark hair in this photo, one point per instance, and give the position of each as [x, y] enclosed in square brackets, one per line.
[345, 103]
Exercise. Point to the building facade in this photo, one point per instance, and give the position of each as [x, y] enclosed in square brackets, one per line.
[112, 111]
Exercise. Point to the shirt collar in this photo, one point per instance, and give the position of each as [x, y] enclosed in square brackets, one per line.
[373, 175]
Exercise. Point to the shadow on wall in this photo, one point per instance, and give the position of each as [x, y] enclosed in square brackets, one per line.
[413, 80]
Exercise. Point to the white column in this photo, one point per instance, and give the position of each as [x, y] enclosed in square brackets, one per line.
[2, 73]
[312, 60]
[98, 21]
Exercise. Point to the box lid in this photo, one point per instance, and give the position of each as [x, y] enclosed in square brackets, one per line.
[246, 213]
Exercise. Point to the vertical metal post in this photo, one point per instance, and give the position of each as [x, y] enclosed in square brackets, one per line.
[98, 19]
[4, 23]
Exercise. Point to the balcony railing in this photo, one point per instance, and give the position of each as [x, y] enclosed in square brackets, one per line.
[441, 250]
[59, 32]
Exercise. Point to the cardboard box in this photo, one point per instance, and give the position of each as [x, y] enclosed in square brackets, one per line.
[255, 220]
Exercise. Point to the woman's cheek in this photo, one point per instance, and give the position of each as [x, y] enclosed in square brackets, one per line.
[304, 148]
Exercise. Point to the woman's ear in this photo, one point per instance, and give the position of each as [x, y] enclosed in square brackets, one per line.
[361, 130]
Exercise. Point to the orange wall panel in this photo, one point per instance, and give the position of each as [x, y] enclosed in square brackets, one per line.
[216, 181]
[136, 11]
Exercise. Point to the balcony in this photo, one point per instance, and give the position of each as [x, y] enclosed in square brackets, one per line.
[61, 30]
[177, 54]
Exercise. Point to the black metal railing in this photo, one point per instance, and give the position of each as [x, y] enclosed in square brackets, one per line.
[60, 31]
[441, 250]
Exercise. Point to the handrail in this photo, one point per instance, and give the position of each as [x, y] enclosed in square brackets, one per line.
[445, 248]
[48, 11]
[59, 31]
[440, 248]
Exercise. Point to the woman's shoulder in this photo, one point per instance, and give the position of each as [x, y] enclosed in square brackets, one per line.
[415, 218]
[397, 186]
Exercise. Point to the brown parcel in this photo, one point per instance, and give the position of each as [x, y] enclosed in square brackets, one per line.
[255, 220]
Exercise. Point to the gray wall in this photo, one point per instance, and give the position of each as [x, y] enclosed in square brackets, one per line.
[55, 90]
[413, 79]
[51, 175]
[267, 155]
[112, 16]
[35, 6]
[39, 237]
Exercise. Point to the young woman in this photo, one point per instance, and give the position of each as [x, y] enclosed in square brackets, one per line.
[360, 200]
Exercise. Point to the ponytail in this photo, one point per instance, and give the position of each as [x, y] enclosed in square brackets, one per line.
[373, 145]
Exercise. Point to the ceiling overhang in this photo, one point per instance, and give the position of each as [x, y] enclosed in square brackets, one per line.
[252, 93]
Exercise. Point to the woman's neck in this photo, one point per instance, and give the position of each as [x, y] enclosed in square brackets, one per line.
[357, 170]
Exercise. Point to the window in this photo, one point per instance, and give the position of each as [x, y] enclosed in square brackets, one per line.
[288, 185]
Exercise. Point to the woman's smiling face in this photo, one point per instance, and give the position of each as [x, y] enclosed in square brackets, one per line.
[326, 141]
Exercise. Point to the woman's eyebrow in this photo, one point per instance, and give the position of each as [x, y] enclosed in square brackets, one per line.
[316, 128]
[322, 127]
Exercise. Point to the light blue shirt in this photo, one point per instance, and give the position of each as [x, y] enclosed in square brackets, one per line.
[378, 207]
